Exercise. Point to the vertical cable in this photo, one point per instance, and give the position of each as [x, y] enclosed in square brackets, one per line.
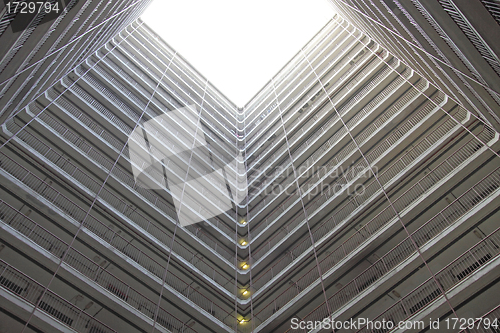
[63, 257]
[417, 248]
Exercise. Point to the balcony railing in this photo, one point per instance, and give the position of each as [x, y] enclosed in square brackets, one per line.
[24, 287]
[229, 110]
[230, 137]
[122, 206]
[320, 54]
[449, 278]
[117, 101]
[371, 230]
[468, 29]
[87, 267]
[296, 79]
[302, 78]
[350, 206]
[452, 214]
[409, 126]
[313, 138]
[165, 126]
[300, 100]
[287, 113]
[123, 127]
[286, 78]
[169, 127]
[76, 214]
[124, 176]
[325, 109]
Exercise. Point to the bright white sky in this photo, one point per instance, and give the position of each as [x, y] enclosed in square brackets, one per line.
[238, 45]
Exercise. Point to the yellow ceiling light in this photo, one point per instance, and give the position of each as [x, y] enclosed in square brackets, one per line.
[245, 292]
[245, 266]
[243, 222]
[243, 242]
[242, 321]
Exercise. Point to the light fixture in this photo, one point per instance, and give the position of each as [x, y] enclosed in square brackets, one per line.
[243, 222]
[243, 242]
[245, 292]
[242, 321]
[245, 266]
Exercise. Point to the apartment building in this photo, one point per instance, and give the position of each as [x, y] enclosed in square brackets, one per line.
[369, 193]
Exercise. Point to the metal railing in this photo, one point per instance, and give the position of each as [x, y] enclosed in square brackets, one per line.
[328, 123]
[288, 75]
[326, 126]
[31, 230]
[170, 128]
[493, 8]
[298, 79]
[371, 189]
[484, 325]
[76, 174]
[231, 138]
[450, 215]
[165, 126]
[371, 229]
[73, 212]
[471, 33]
[117, 101]
[184, 68]
[299, 100]
[313, 138]
[288, 113]
[22, 286]
[125, 176]
[449, 277]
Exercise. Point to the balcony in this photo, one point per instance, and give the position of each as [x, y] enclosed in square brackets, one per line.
[218, 225]
[296, 79]
[17, 287]
[288, 72]
[335, 73]
[20, 226]
[481, 257]
[298, 252]
[311, 143]
[179, 67]
[313, 140]
[118, 102]
[182, 100]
